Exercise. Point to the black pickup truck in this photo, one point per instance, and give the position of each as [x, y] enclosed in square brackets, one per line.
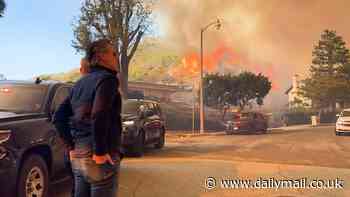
[32, 155]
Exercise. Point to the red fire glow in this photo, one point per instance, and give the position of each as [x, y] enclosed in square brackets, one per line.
[221, 57]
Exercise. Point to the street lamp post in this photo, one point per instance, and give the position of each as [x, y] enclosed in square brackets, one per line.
[217, 23]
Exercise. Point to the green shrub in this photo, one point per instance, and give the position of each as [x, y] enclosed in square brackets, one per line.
[304, 117]
[298, 117]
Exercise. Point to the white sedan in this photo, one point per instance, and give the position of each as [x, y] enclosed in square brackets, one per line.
[343, 123]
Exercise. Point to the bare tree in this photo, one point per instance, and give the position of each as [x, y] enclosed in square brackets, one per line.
[124, 22]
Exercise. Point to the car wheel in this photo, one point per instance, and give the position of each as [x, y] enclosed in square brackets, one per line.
[137, 149]
[254, 129]
[337, 133]
[265, 129]
[33, 178]
[161, 140]
[228, 132]
[227, 129]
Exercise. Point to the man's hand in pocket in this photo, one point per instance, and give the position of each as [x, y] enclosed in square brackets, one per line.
[71, 155]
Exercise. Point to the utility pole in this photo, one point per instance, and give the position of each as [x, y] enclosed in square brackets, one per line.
[201, 102]
[217, 23]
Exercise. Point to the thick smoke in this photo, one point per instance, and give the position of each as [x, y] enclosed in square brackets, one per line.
[277, 35]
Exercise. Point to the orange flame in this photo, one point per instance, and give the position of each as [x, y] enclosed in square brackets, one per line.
[189, 69]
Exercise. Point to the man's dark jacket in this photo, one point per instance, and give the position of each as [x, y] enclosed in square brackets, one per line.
[92, 110]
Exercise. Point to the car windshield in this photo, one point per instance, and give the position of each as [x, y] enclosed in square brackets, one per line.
[345, 114]
[22, 98]
[131, 107]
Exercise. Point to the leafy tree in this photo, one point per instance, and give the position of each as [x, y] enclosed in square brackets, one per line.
[330, 53]
[2, 7]
[299, 105]
[218, 91]
[240, 90]
[252, 88]
[124, 22]
[329, 72]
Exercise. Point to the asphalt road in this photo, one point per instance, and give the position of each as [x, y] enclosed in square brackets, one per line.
[182, 167]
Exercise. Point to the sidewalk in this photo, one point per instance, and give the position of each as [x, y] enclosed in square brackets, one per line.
[304, 126]
[218, 133]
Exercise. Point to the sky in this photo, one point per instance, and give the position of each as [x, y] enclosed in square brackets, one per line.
[273, 37]
[273, 34]
[36, 37]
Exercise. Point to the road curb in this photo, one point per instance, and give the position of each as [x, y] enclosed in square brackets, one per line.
[183, 134]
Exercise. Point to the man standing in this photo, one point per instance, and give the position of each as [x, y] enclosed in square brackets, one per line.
[94, 135]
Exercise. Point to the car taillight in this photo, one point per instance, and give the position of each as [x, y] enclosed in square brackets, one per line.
[4, 135]
[5, 90]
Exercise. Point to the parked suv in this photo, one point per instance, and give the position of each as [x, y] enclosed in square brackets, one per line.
[31, 152]
[343, 123]
[247, 122]
[143, 124]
